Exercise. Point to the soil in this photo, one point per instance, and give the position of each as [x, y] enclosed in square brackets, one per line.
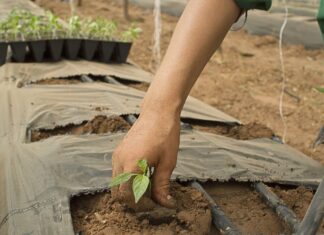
[240, 132]
[296, 199]
[58, 81]
[247, 210]
[246, 87]
[98, 125]
[102, 214]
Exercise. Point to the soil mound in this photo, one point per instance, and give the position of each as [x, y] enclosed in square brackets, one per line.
[101, 214]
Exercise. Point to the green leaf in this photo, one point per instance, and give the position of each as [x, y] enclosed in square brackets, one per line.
[142, 164]
[140, 185]
[120, 179]
[320, 89]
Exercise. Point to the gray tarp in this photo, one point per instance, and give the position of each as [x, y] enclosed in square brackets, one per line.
[54, 103]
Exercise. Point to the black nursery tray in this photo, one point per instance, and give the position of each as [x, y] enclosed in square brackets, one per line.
[3, 52]
[71, 49]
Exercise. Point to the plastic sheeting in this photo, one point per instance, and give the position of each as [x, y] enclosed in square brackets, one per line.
[53, 105]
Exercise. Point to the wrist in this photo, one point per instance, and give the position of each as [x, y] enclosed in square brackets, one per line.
[157, 102]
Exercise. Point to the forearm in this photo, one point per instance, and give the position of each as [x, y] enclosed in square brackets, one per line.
[199, 32]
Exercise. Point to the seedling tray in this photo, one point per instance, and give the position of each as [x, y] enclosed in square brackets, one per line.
[18, 51]
[55, 49]
[3, 52]
[72, 48]
[37, 49]
[121, 51]
[89, 49]
[105, 51]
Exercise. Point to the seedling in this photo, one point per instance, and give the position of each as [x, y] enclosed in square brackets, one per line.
[35, 26]
[3, 31]
[141, 181]
[53, 26]
[90, 29]
[16, 23]
[106, 28]
[74, 26]
[131, 33]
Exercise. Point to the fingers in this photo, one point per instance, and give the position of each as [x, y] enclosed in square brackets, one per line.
[161, 185]
[117, 169]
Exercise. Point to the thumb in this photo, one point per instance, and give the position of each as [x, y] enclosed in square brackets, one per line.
[161, 185]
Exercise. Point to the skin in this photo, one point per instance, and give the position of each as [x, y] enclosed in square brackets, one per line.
[155, 135]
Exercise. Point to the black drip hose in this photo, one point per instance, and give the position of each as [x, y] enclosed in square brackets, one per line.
[221, 222]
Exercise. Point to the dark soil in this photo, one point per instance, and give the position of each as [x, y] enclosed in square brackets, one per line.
[240, 132]
[98, 125]
[101, 214]
[58, 81]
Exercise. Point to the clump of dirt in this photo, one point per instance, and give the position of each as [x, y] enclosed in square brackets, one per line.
[298, 200]
[101, 214]
[99, 125]
[58, 81]
[245, 208]
[241, 132]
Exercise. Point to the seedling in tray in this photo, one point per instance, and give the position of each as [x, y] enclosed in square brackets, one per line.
[16, 31]
[37, 45]
[107, 29]
[122, 48]
[91, 34]
[73, 43]
[141, 181]
[55, 29]
[3, 43]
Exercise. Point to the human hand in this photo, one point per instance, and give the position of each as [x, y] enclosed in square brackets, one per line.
[154, 137]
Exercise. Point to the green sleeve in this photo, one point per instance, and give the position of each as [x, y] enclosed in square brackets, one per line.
[254, 4]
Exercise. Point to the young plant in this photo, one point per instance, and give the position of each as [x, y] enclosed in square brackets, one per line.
[74, 26]
[53, 26]
[106, 28]
[35, 27]
[90, 29]
[141, 181]
[3, 31]
[131, 33]
[16, 24]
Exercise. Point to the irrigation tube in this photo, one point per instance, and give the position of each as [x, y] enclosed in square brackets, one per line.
[314, 214]
[283, 211]
[222, 223]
